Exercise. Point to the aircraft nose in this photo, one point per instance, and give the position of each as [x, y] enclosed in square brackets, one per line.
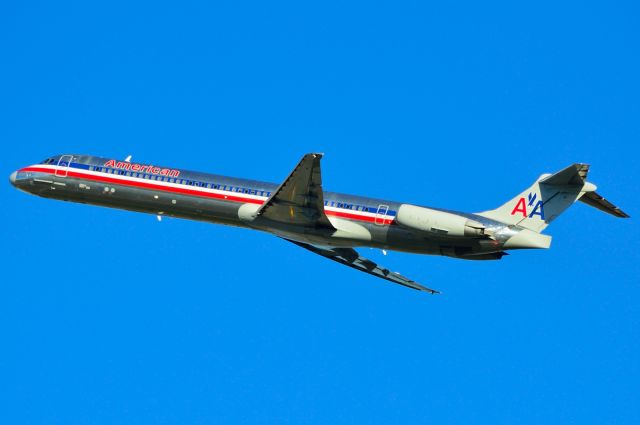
[12, 178]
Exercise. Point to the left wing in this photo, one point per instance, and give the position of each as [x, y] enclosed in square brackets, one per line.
[298, 200]
[350, 257]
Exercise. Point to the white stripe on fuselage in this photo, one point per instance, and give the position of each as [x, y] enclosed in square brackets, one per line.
[221, 192]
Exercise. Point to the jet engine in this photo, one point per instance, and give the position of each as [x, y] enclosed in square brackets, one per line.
[438, 222]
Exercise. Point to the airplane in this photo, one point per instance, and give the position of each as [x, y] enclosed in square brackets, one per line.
[326, 223]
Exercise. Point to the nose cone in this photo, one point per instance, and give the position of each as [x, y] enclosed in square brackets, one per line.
[12, 178]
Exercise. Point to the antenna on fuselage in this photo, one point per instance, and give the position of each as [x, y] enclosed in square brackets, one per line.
[127, 159]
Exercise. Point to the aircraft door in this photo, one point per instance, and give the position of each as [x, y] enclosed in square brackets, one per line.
[63, 166]
[381, 214]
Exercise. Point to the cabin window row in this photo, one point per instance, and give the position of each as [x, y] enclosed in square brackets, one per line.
[195, 183]
[346, 206]
[228, 188]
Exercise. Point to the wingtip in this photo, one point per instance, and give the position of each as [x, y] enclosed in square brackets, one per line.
[425, 289]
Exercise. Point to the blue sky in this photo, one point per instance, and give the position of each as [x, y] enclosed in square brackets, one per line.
[108, 316]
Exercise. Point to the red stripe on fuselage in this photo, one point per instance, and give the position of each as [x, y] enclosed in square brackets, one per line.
[184, 191]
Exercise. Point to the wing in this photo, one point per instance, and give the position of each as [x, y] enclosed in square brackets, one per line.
[350, 257]
[298, 200]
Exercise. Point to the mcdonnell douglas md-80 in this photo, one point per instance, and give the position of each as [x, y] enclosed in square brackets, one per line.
[326, 223]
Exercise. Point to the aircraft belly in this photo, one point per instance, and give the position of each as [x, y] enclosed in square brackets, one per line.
[402, 239]
[144, 200]
[346, 233]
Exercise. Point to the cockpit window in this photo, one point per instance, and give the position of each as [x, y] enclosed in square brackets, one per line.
[48, 161]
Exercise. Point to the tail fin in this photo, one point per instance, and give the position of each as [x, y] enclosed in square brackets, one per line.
[548, 197]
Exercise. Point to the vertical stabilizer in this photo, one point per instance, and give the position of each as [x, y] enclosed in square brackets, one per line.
[545, 200]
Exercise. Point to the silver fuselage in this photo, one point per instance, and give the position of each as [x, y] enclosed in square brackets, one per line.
[170, 192]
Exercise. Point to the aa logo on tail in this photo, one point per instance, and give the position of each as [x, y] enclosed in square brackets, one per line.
[522, 204]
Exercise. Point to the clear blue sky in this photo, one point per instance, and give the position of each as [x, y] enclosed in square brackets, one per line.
[110, 317]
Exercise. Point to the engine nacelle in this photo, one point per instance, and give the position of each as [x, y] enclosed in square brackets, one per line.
[438, 222]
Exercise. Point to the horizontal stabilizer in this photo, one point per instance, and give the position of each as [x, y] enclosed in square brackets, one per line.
[573, 175]
[594, 200]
